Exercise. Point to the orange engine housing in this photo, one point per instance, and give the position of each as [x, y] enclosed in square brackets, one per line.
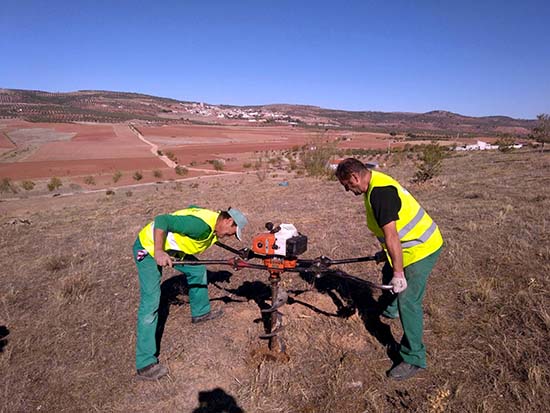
[265, 244]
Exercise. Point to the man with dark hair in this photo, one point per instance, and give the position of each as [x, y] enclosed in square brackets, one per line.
[411, 241]
[183, 233]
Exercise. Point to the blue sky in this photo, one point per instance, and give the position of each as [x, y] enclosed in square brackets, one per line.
[476, 58]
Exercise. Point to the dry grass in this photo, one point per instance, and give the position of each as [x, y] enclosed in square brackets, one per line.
[70, 294]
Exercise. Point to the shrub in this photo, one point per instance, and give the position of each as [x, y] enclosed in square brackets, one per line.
[137, 176]
[170, 155]
[109, 192]
[7, 186]
[316, 156]
[431, 157]
[247, 165]
[89, 180]
[129, 193]
[505, 144]
[218, 165]
[54, 183]
[181, 170]
[157, 173]
[541, 132]
[28, 185]
[116, 176]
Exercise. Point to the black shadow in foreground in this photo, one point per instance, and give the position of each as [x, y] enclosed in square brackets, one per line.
[4, 333]
[217, 401]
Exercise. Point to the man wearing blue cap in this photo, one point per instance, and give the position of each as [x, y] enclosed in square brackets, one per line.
[183, 233]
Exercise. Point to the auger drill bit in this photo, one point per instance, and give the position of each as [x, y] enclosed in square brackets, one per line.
[278, 298]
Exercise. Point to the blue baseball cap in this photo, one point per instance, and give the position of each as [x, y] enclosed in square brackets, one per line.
[240, 220]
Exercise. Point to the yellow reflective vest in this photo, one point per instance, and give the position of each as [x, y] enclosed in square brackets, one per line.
[181, 242]
[418, 233]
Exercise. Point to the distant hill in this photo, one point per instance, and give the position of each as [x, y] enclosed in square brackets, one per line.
[108, 106]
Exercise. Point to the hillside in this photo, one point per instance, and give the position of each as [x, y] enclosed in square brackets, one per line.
[69, 300]
[106, 106]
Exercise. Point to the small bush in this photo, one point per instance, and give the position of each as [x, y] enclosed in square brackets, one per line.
[247, 165]
[6, 185]
[129, 193]
[182, 170]
[157, 173]
[316, 156]
[109, 192]
[170, 155]
[54, 183]
[116, 176]
[217, 164]
[431, 158]
[505, 144]
[28, 185]
[89, 180]
[138, 176]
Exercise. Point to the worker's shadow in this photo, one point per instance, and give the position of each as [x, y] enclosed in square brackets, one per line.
[256, 291]
[217, 401]
[4, 333]
[175, 291]
[351, 296]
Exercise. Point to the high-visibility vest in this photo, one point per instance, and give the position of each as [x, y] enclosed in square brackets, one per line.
[418, 233]
[181, 242]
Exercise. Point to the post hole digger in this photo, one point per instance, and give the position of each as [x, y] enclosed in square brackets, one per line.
[279, 249]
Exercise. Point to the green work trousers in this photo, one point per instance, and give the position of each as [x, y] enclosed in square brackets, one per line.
[408, 305]
[149, 287]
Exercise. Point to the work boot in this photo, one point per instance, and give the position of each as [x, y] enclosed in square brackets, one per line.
[211, 315]
[403, 371]
[152, 372]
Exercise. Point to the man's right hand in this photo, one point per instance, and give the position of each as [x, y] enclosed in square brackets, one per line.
[163, 259]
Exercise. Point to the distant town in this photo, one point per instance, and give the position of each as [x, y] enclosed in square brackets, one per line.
[250, 115]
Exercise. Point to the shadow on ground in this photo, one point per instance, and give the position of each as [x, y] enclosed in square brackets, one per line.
[217, 401]
[349, 296]
[4, 333]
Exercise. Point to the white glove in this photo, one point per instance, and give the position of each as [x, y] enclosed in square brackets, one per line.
[398, 282]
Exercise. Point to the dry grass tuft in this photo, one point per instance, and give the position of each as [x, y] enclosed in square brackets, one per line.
[75, 288]
[57, 263]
